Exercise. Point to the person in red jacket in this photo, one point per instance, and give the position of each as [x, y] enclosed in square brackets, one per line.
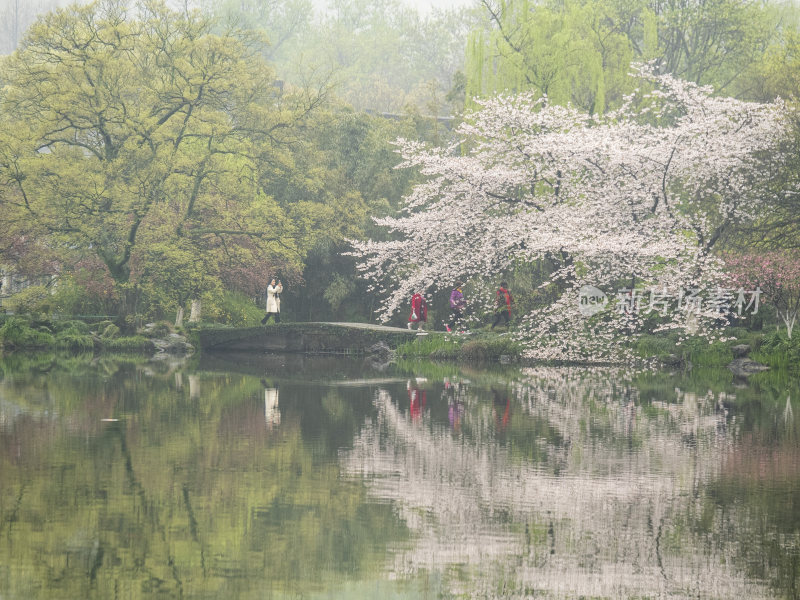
[503, 307]
[419, 311]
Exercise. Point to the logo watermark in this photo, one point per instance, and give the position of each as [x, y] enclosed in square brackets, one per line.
[591, 300]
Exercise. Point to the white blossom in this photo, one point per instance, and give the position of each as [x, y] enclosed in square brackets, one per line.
[643, 192]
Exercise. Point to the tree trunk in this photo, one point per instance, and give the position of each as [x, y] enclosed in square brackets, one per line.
[194, 315]
[179, 317]
[789, 319]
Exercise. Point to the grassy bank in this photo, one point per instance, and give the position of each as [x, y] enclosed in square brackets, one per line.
[19, 333]
[773, 349]
[475, 347]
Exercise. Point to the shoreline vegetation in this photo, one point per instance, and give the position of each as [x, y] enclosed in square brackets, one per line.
[18, 333]
[669, 350]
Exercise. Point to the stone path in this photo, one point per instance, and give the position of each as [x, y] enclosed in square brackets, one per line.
[371, 326]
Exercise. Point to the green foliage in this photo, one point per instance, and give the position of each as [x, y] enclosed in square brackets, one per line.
[656, 346]
[85, 291]
[171, 273]
[779, 351]
[79, 326]
[110, 331]
[73, 339]
[33, 299]
[580, 52]
[695, 350]
[490, 348]
[17, 333]
[100, 326]
[487, 347]
[20, 334]
[436, 346]
[339, 289]
[136, 343]
[167, 179]
[700, 352]
[234, 309]
[571, 52]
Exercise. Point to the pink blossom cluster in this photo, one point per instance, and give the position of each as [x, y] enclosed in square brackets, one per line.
[777, 273]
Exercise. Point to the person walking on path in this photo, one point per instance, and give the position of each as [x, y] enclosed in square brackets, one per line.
[503, 307]
[419, 311]
[274, 292]
[457, 306]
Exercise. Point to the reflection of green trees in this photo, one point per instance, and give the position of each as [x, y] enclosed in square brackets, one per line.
[770, 519]
[189, 494]
[762, 480]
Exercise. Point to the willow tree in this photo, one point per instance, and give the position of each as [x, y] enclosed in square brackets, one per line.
[570, 52]
[580, 51]
[126, 127]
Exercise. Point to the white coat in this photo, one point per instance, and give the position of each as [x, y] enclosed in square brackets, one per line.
[273, 300]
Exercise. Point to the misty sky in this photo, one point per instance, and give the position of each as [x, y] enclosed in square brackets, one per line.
[423, 6]
[427, 5]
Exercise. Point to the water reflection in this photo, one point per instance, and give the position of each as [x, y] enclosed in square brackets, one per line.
[286, 476]
[614, 496]
[272, 413]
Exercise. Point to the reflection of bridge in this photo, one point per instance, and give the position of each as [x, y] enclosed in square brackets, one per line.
[322, 338]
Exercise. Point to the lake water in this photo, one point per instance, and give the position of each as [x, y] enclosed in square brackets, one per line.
[320, 478]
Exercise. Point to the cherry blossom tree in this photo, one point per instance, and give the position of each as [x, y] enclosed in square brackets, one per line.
[639, 194]
[777, 274]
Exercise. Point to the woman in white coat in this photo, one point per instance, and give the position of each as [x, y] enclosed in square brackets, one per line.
[273, 301]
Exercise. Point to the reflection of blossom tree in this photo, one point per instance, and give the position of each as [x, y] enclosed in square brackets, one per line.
[615, 523]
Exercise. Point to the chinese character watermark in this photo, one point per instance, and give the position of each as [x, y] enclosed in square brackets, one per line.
[719, 302]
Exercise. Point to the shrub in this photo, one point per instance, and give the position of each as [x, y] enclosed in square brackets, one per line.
[100, 326]
[655, 346]
[778, 350]
[17, 333]
[700, 352]
[79, 326]
[233, 308]
[74, 339]
[110, 331]
[135, 343]
[33, 299]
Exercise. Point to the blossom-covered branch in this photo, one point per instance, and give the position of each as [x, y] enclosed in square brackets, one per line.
[642, 193]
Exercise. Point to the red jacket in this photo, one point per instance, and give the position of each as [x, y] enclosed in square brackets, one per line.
[419, 309]
[504, 300]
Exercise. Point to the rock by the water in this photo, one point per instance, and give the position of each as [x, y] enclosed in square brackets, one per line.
[744, 367]
[173, 345]
[671, 360]
[380, 355]
[740, 350]
[380, 349]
